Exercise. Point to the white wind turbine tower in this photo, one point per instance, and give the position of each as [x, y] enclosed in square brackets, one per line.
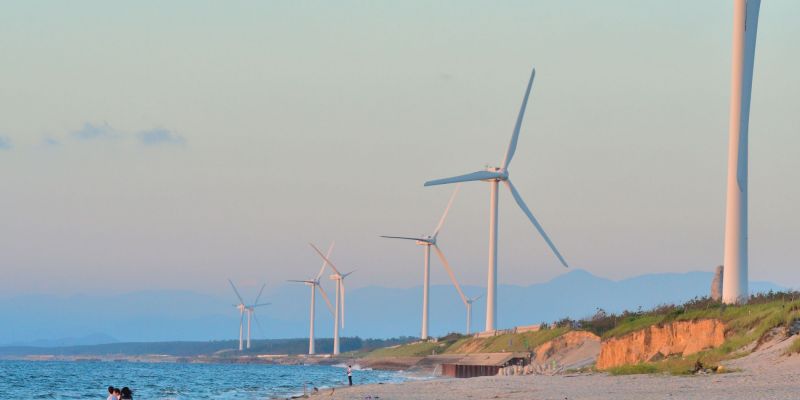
[427, 242]
[315, 284]
[245, 308]
[494, 175]
[745, 24]
[468, 303]
[337, 317]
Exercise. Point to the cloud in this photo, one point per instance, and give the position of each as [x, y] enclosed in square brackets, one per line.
[50, 142]
[159, 136]
[5, 143]
[90, 131]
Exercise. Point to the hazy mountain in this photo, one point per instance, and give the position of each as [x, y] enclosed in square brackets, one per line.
[372, 311]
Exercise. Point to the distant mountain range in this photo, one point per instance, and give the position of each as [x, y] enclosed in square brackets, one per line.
[372, 312]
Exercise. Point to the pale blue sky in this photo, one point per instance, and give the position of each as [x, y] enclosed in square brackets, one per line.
[175, 144]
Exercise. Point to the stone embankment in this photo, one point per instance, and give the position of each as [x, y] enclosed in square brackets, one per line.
[660, 341]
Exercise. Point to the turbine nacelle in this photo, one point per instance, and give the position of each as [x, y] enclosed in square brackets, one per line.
[426, 240]
[502, 174]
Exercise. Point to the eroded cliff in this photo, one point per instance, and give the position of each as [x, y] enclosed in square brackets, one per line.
[660, 341]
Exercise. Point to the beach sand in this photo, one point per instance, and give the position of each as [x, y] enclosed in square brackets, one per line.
[739, 385]
[764, 374]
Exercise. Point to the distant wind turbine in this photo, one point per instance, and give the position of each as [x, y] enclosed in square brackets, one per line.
[338, 319]
[249, 309]
[469, 312]
[427, 242]
[315, 284]
[494, 175]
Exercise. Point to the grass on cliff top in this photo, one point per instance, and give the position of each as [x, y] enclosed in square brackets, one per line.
[420, 348]
[744, 325]
[763, 312]
[461, 344]
[508, 342]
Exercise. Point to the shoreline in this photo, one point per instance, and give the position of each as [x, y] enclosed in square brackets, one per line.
[590, 386]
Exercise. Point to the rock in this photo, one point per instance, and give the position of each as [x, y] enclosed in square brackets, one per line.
[716, 284]
[794, 327]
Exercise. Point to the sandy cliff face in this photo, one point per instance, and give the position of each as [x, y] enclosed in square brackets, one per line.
[656, 342]
[566, 344]
[574, 349]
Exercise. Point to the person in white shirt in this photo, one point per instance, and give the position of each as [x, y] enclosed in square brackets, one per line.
[111, 394]
[350, 374]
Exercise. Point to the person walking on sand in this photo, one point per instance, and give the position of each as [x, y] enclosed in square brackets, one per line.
[350, 374]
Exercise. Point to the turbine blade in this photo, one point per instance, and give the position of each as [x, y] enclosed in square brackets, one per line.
[450, 273]
[259, 293]
[512, 146]
[349, 273]
[322, 269]
[538, 226]
[326, 259]
[300, 281]
[404, 238]
[477, 298]
[258, 324]
[325, 296]
[446, 210]
[260, 304]
[475, 176]
[241, 300]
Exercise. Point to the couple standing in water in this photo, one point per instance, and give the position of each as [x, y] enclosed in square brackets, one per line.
[119, 394]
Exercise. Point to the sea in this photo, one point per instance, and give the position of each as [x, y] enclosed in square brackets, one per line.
[90, 379]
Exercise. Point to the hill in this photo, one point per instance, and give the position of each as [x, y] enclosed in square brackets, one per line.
[377, 312]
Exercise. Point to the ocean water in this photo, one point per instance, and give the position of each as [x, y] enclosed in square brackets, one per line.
[89, 380]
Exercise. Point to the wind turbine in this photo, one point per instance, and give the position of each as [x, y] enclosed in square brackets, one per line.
[245, 308]
[745, 24]
[427, 242]
[337, 318]
[469, 311]
[495, 175]
[315, 284]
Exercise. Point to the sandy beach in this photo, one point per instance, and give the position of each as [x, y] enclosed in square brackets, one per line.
[764, 374]
[738, 385]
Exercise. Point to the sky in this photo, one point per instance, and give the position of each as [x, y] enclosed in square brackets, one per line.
[172, 145]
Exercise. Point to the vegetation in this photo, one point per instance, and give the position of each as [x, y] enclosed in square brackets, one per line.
[745, 325]
[420, 348]
[795, 347]
[513, 342]
[460, 344]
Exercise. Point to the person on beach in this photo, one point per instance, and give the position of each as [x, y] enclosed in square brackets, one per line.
[117, 394]
[111, 394]
[350, 374]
